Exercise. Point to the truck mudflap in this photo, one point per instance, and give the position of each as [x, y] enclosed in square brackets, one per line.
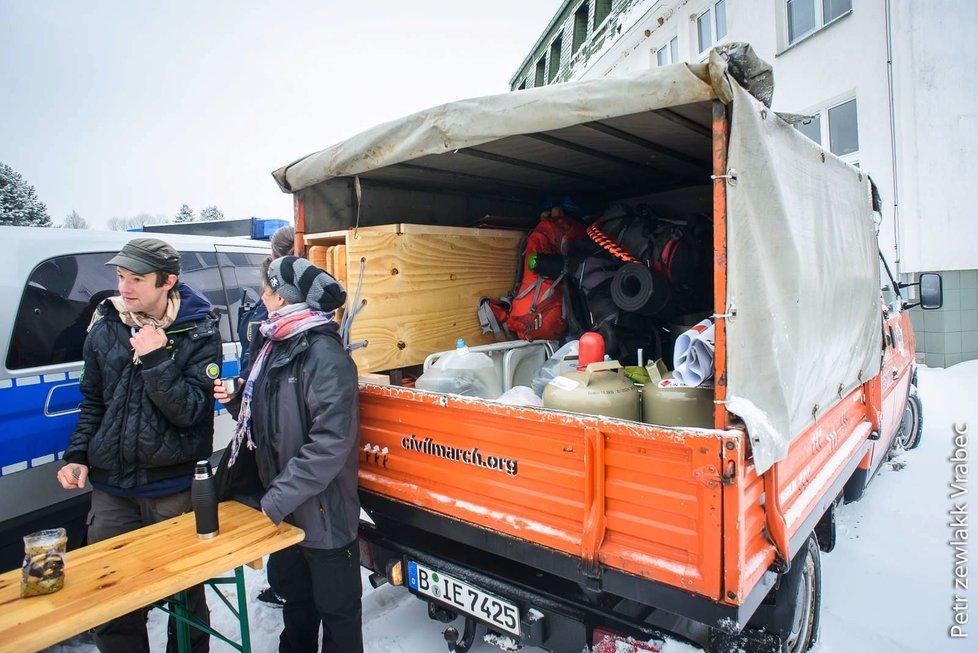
[611, 494]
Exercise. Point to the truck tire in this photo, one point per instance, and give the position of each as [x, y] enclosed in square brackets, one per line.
[912, 425]
[789, 621]
[803, 630]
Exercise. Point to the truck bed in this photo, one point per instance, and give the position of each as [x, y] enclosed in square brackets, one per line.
[618, 495]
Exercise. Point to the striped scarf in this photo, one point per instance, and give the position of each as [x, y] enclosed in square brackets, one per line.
[282, 324]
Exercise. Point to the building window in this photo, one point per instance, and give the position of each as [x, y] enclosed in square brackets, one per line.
[812, 129]
[522, 86]
[839, 131]
[580, 27]
[805, 16]
[541, 76]
[711, 25]
[668, 53]
[601, 10]
[555, 48]
[843, 131]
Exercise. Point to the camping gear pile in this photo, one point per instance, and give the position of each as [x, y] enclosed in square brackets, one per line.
[633, 275]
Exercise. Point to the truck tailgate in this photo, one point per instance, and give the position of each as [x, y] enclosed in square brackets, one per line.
[634, 497]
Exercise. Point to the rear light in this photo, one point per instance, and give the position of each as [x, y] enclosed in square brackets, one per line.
[606, 641]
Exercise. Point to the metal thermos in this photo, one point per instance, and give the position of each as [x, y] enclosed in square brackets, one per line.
[203, 497]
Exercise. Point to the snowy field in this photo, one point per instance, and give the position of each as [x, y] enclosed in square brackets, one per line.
[887, 588]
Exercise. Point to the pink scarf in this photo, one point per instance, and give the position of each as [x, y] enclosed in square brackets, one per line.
[282, 324]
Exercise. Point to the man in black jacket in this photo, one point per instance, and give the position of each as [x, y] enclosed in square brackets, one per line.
[147, 414]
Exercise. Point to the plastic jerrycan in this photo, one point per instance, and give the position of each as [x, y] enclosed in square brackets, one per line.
[463, 372]
[594, 388]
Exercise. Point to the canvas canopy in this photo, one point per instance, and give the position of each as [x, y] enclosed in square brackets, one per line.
[802, 274]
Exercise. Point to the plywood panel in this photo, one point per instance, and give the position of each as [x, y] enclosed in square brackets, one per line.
[421, 285]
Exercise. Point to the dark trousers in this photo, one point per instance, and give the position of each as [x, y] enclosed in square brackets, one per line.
[320, 587]
[111, 516]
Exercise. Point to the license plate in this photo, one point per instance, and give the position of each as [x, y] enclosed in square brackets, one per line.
[464, 597]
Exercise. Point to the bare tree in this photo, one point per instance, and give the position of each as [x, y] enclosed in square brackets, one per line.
[74, 221]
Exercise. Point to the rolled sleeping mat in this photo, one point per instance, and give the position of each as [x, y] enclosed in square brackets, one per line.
[637, 289]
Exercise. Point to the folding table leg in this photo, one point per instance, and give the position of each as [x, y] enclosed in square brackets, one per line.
[179, 605]
[242, 610]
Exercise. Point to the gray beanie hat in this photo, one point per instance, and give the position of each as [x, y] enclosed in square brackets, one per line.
[297, 280]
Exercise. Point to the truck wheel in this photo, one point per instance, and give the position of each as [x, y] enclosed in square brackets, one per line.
[808, 600]
[912, 425]
[787, 622]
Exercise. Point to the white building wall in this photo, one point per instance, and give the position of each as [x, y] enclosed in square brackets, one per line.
[934, 86]
[936, 91]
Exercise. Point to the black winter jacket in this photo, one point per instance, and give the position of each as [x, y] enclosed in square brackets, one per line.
[151, 421]
[306, 425]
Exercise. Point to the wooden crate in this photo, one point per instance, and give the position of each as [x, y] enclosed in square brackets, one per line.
[421, 285]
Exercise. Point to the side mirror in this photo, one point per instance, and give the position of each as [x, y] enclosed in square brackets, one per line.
[931, 291]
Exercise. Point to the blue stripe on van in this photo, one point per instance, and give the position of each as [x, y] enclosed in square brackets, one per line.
[30, 437]
[28, 433]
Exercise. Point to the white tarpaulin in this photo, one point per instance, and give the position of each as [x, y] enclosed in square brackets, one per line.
[466, 123]
[802, 277]
[802, 268]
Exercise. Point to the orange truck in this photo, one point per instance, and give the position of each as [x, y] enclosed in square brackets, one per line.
[566, 531]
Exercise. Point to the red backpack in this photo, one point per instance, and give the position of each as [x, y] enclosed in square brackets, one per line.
[537, 308]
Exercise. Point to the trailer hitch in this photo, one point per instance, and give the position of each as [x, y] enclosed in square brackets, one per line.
[468, 636]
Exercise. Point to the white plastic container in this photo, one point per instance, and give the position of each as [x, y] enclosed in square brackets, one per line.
[462, 372]
[516, 361]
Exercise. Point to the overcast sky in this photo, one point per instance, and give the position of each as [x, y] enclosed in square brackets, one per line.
[115, 108]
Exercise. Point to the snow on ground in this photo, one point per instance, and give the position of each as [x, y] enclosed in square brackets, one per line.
[887, 588]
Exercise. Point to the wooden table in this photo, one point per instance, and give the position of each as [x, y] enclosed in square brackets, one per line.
[113, 577]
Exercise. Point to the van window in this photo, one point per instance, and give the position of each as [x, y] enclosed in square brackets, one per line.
[199, 271]
[221, 277]
[62, 293]
[56, 307]
[241, 277]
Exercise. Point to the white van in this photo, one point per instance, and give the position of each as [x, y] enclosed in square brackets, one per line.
[54, 280]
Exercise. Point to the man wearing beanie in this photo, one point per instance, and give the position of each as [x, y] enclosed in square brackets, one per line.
[146, 416]
[298, 418]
